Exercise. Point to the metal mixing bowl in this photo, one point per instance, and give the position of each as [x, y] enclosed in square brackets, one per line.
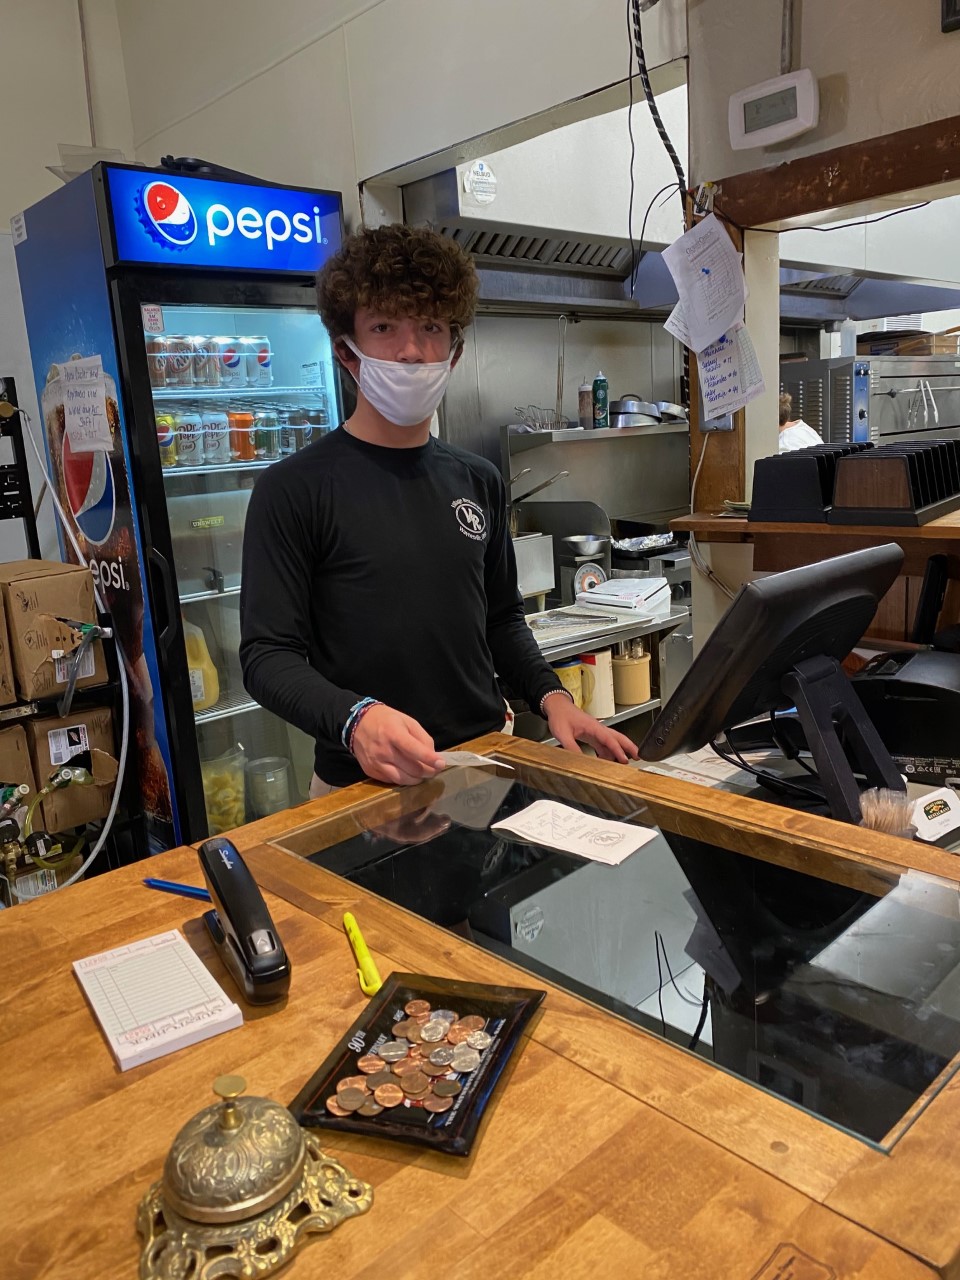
[587, 544]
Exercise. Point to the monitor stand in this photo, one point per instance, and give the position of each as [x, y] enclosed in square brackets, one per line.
[840, 735]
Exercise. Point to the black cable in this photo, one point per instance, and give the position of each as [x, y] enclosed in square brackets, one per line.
[839, 226]
[663, 1021]
[704, 1006]
[775, 782]
[651, 100]
[641, 253]
[658, 937]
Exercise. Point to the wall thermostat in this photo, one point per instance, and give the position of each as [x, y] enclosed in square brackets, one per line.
[774, 110]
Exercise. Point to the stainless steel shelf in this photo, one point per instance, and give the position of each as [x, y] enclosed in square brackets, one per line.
[233, 393]
[231, 704]
[216, 468]
[607, 637]
[522, 441]
[193, 596]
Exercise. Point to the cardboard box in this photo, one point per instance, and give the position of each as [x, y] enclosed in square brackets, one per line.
[55, 741]
[8, 691]
[16, 765]
[37, 595]
[32, 881]
[917, 344]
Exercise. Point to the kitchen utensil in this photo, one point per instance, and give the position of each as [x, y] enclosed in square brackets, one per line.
[586, 544]
[268, 781]
[633, 404]
[670, 412]
[633, 420]
[520, 475]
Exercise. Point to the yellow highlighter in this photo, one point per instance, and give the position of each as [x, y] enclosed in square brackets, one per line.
[370, 981]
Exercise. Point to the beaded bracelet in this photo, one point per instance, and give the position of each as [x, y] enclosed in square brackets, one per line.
[550, 693]
[356, 722]
[353, 717]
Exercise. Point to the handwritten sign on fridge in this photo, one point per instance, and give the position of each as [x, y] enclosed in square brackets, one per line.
[85, 405]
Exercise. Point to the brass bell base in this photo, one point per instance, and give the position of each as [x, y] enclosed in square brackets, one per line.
[175, 1247]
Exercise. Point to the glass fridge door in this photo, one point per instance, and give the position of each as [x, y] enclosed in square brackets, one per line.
[234, 390]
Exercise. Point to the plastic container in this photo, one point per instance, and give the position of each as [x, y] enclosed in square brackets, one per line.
[571, 677]
[268, 782]
[585, 404]
[597, 677]
[223, 790]
[631, 680]
[204, 680]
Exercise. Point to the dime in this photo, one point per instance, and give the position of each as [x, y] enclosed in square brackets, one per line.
[334, 1107]
[479, 1040]
[444, 1015]
[414, 1084]
[437, 1104]
[353, 1082]
[442, 1056]
[473, 1022]
[382, 1077]
[465, 1059]
[389, 1095]
[458, 1033]
[370, 1108]
[414, 1007]
[393, 1050]
[433, 1069]
[446, 1088]
[369, 1063]
[433, 1031]
[352, 1099]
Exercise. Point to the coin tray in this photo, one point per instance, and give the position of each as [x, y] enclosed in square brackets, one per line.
[506, 1011]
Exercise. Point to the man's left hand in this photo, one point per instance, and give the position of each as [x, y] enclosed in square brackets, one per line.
[570, 726]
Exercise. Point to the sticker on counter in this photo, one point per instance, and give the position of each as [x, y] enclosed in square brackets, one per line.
[62, 666]
[937, 814]
[787, 1262]
[64, 744]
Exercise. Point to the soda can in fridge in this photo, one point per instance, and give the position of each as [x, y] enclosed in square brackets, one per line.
[179, 357]
[296, 433]
[231, 361]
[206, 362]
[167, 439]
[156, 359]
[216, 437]
[266, 435]
[189, 439]
[242, 445]
[259, 361]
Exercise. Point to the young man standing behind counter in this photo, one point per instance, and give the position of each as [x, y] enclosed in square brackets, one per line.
[379, 581]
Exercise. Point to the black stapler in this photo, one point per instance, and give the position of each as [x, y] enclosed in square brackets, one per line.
[241, 927]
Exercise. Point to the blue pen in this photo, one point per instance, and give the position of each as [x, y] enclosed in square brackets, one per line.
[185, 890]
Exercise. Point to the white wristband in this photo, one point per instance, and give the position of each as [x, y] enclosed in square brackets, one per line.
[550, 694]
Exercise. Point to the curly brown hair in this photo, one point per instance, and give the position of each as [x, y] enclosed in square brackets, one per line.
[399, 271]
[786, 408]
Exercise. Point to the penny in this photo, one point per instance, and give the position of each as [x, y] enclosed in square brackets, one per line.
[433, 1069]
[352, 1099]
[465, 1059]
[473, 1022]
[433, 1031]
[446, 1088]
[405, 1066]
[401, 1029]
[444, 1015]
[458, 1033]
[370, 1108]
[414, 1083]
[382, 1077]
[369, 1063]
[389, 1095]
[442, 1056]
[415, 1007]
[393, 1050]
[479, 1040]
[437, 1104]
[353, 1082]
[334, 1107]
[413, 1032]
[421, 1018]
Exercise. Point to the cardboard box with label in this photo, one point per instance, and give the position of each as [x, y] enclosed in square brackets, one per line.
[56, 741]
[16, 765]
[41, 598]
[8, 688]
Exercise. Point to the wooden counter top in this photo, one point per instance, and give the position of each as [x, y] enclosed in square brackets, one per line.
[606, 1149]
[713, 527]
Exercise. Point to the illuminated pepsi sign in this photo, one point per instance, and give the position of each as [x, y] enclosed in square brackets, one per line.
[196, 222]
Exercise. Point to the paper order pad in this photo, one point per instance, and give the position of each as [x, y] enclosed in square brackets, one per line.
[559, 827]
[154, 996]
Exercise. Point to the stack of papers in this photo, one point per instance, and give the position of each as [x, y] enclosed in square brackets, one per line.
[558, 826]
[647, 596]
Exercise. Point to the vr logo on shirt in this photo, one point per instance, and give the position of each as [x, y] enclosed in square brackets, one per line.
[470, 518]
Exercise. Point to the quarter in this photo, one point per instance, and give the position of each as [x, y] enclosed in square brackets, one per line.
[479, 1040]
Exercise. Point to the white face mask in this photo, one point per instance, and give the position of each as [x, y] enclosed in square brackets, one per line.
[406, 394]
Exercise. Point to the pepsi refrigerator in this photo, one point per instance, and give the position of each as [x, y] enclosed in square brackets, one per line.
[178, 352]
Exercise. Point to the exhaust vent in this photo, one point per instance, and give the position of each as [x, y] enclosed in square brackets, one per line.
[502, 247]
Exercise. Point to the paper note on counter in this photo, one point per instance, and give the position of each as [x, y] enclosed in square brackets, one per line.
[559, 827]
[706, 269]
[454, 758]
[730, 374]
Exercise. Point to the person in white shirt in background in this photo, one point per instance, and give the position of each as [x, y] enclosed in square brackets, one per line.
[794, 432]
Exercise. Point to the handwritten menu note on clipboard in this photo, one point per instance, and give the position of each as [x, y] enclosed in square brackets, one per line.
[153, 997]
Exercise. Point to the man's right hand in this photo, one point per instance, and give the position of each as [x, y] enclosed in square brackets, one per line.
[391, 747]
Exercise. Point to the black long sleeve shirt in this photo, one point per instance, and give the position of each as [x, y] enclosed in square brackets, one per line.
[384, 573]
